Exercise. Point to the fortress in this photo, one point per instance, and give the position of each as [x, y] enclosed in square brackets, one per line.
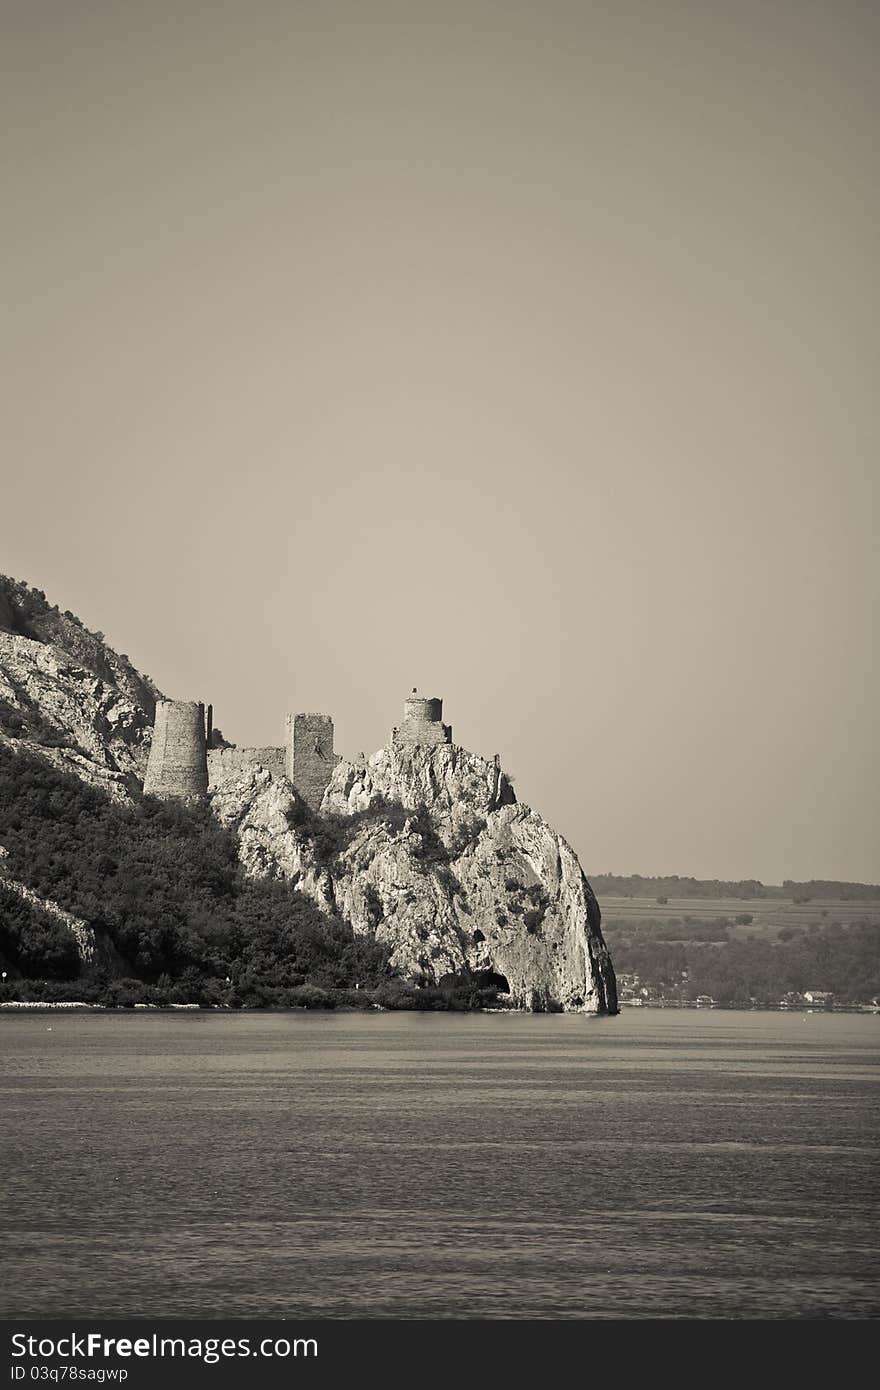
[184, 764]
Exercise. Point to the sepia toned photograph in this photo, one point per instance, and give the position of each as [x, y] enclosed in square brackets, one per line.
[439, 763]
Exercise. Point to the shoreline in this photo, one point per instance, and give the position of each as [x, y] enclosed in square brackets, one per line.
[82, 1006]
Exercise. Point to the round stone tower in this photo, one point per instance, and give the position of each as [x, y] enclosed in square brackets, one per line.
[421, 710]
[178, 764]
[422, 722]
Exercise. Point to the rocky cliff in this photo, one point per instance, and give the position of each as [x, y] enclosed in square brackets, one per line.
[427, 850]
[422, 849]
[65, 694]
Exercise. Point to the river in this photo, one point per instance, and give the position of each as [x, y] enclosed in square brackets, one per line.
[660, 1164]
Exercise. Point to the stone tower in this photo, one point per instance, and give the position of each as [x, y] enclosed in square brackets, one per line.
[422, 723]
[178, 764]
[309, 756]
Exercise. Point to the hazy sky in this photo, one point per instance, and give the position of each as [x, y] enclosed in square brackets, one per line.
[523, 352]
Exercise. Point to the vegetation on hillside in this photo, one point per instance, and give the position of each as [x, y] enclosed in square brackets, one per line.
[163, 884]
[26, 612]
[684, 961]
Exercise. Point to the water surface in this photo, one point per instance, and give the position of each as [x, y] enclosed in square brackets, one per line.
[660, 1164]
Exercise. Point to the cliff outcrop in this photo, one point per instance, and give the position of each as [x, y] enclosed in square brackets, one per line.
[427, 850]
[67, 696]
[422, 851]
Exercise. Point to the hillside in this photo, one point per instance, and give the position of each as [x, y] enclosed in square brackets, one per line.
[26, 612]
[67, 697]
[421, 877]
[161, 891]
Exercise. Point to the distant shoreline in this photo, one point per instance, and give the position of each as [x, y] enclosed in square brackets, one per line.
[81, 1006]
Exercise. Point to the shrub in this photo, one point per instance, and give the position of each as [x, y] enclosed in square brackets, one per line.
[353, 998]
[310, 997]
[124, 994]
[396, 994]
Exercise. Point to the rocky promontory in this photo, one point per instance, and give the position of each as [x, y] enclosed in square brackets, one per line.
[421, 851]
[436, 858]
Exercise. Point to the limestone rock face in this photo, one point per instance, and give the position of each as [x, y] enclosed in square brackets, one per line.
[68, 697]
[26, 612]
[427, 849]
[53, 705]
[455, 786]
[264, 810]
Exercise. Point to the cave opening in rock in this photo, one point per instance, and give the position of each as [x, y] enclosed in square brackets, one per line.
[491, 979]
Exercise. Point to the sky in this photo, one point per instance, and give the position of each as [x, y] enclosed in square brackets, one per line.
[526, 354]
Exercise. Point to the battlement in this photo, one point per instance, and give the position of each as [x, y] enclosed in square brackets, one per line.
[178, 766]
[422, 723]
[310, 756]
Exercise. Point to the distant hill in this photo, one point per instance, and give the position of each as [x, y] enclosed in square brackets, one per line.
[673, 886]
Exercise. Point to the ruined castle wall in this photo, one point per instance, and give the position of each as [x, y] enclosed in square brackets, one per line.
[415, 732]
[310, 756]
[226, 762]
[178, 765]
